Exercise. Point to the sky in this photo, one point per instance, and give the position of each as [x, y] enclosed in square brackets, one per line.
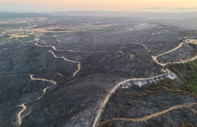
[94, 5]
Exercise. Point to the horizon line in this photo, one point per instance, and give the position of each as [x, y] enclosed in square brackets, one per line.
[142, 11]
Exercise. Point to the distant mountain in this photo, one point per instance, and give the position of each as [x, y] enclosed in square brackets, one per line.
[144, 15]
[7, 15]
[148, 15]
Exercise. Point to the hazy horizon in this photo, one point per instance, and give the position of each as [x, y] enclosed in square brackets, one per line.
[99, 5]
[110, 11]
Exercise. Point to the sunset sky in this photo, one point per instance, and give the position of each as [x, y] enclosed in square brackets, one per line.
[112, 5]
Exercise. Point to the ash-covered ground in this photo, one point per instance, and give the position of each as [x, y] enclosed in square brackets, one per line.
[54, 71]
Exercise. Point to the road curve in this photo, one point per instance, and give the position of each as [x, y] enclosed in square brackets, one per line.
[188, 41]
[103, 103]
[67, 60]
[19, 117]
[43, 93]
[42, 79]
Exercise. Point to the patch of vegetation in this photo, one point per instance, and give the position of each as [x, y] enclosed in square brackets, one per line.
[145, 94]
[31, 55]
[110, 124]
[129, 103]
[187, 125]
[187, 73]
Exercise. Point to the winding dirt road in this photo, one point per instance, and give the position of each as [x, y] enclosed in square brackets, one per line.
[42, 79]
[145, 118]
[102, 104]
[80, 52]
[186, 60]
[72, 51]
[19, 116]
[67, 60]
[191, 41]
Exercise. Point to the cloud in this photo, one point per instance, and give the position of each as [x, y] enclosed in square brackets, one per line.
[152, 8]
[183, 8]
[173, 8]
